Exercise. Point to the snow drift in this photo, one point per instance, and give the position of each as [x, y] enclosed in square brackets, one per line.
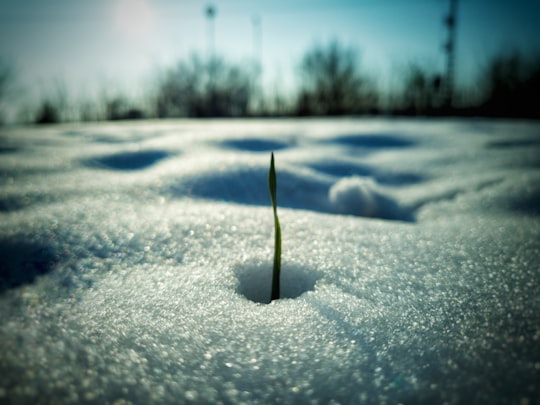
[136, 259]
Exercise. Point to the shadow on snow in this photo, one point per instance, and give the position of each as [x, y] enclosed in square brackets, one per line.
[342, 169]
[297, 189]
[254, 145]
[373, 141]
[128, 160]
[23, 261]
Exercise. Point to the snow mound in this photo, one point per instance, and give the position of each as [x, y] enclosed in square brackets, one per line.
[360, 196]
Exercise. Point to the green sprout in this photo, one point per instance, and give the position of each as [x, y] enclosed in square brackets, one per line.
[277, 241]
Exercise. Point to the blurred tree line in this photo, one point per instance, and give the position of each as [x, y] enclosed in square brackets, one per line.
[7, 79]
[203, 88]
[511, 86]
[331, 82]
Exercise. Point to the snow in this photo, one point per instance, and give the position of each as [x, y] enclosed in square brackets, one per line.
[137, 257]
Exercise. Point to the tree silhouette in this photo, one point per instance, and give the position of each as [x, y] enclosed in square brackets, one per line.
[6, 87]
[47, 113]
[510, 86]
[198, 88]
[422, 93]
[332, 83]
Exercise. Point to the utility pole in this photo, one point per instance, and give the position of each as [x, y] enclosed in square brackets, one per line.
[257, 63]
[450, 48]
[210, 12]
[211, 108]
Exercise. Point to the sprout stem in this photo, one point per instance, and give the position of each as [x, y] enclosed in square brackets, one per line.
[277, 241]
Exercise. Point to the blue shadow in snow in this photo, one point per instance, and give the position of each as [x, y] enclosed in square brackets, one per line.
[106, 138]
[10, 203]
[129, 160]
[297, 189]
[254, 145]
[342, 169]
[113, 139]
[250, 186]
[23, 261]
[8, 149]
[529, 204]
[513, 143]
[375, 141]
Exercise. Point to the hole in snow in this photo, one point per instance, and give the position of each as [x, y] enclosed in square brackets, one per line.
[255, 281]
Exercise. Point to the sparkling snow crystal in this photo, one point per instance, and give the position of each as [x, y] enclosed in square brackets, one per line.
[136, 262]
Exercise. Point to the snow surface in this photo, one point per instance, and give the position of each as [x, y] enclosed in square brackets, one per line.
[136, 261]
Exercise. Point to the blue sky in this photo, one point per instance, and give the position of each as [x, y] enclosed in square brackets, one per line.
[121, 44]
